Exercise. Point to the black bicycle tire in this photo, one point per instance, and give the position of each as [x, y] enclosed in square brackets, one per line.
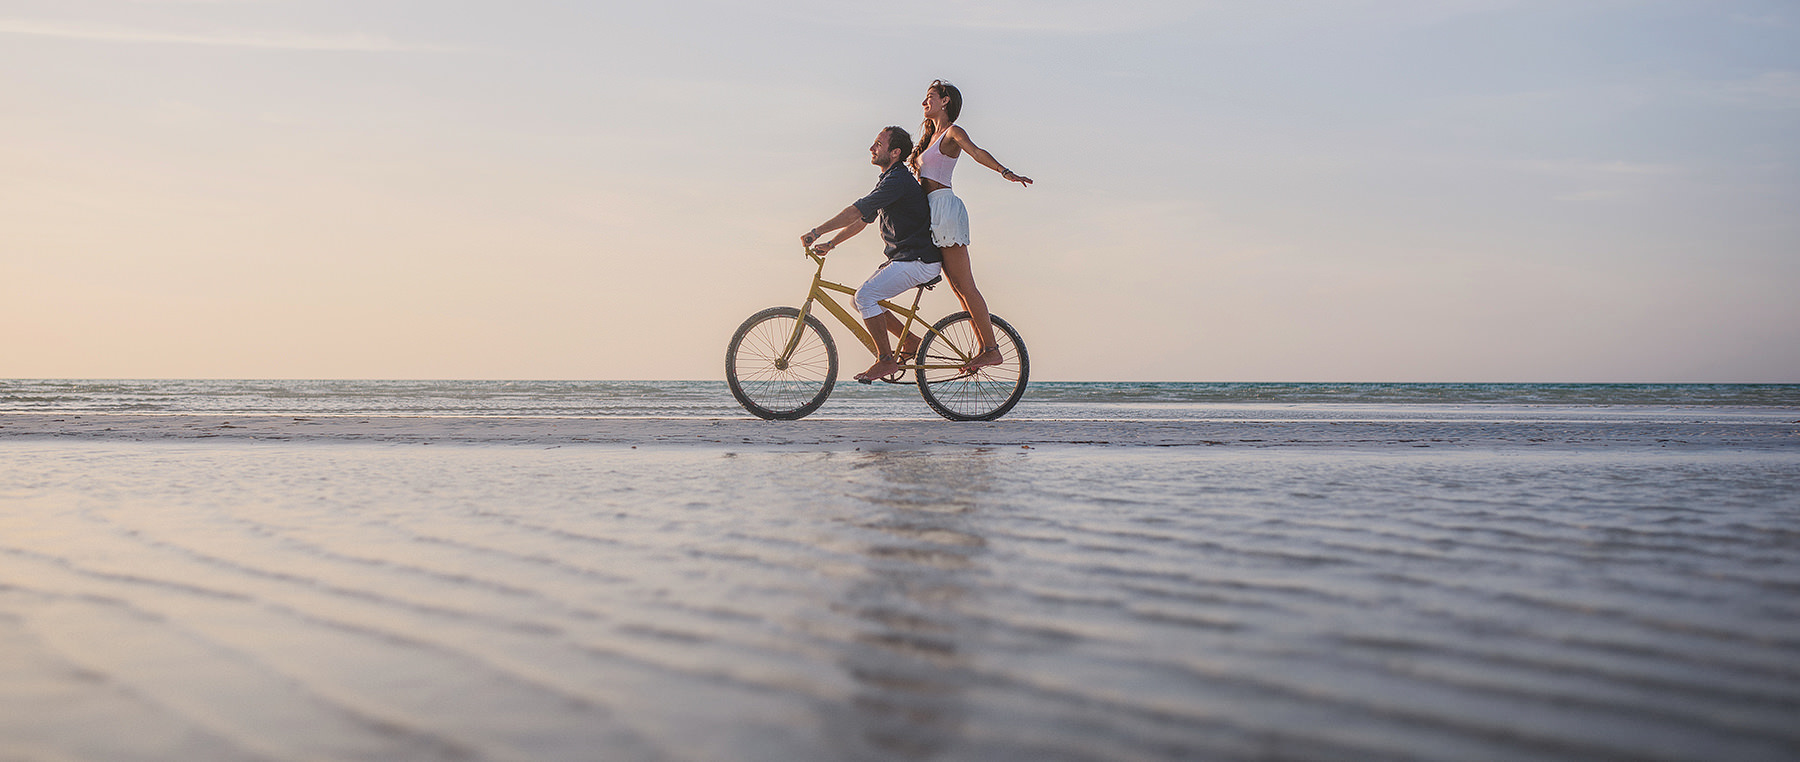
[945, 409]
[737, 385]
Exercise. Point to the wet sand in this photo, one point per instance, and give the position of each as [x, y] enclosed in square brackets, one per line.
[205, 587]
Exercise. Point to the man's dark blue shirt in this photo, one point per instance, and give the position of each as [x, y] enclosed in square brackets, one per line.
[905, 217]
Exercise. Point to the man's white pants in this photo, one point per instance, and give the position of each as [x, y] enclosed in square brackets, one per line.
[889, 281]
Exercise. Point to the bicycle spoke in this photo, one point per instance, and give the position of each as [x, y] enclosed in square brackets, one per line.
[982, 394]
[780, 390]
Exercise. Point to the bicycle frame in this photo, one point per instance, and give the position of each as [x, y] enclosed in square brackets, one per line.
[821, 293]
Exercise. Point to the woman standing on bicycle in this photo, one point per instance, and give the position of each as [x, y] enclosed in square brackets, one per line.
[941, 142]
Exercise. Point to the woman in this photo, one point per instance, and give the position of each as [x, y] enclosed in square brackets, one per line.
[941, 143]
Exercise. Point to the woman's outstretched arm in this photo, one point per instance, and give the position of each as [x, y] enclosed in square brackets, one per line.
[981, 156]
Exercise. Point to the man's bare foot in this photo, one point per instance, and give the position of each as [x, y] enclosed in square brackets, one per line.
[884, 367]
[989, 356]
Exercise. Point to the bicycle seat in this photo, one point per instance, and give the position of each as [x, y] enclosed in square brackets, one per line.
[928, 284]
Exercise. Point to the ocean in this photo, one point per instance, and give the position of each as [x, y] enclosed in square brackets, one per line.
[1043, 400]
[1629, 590]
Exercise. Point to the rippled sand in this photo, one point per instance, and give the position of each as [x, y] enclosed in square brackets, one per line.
[1598, 594]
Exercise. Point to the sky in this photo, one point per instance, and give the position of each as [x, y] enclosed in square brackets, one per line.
[1268, 190]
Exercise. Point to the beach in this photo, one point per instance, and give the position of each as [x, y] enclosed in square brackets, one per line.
[1100, 581]
[1373, 381]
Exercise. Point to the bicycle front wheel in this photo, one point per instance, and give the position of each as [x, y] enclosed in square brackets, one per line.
[770, 387]
[983, 395]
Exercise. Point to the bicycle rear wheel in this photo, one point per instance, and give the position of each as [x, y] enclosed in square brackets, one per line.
[983, 395]
[770, 388]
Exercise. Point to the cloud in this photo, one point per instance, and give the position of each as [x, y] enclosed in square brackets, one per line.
[1056, 17]
[1593, 169]
[268, 41]
[1771, 19]
[1772, 89]
[1588, 195]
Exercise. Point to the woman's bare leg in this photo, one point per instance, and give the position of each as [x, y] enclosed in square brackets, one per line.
[962, 281]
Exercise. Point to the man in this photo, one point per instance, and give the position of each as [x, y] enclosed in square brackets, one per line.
[906, 228]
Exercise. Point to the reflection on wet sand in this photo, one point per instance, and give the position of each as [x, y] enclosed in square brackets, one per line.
[372, 602]
[909, 660]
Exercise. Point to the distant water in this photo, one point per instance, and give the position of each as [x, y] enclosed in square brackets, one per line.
[1044, 400]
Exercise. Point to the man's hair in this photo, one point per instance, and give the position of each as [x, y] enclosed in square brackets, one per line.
[901, 139]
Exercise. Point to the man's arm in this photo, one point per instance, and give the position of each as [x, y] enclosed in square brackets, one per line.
[849, 230]
[850, 220]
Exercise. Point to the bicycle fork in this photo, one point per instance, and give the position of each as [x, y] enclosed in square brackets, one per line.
[793, 342]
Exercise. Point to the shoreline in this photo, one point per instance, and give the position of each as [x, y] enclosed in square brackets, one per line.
[830, 434]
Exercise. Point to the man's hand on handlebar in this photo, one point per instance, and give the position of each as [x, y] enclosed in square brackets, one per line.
[849, 222]
[808, 239]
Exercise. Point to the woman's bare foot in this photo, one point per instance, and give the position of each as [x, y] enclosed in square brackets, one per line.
[883, 367]
[989, 356]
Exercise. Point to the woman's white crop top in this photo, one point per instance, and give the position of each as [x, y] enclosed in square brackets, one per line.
[934, 165]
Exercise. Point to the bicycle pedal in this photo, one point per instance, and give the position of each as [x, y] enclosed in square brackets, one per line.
[865, 381]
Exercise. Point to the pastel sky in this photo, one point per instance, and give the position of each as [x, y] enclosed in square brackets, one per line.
[1267, 190]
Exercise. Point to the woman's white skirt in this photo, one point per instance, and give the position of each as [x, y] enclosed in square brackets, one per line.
[949, 219]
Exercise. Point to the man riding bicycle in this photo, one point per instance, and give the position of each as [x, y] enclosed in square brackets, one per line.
[913, 259]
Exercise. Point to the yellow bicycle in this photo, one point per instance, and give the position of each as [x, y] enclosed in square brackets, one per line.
[781, 364]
